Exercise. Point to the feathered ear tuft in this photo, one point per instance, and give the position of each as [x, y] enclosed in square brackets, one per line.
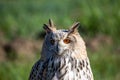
[47, 28]
[74, 28]
[51, 23]
[50, 27]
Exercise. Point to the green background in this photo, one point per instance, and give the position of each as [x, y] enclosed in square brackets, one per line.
[25, 19]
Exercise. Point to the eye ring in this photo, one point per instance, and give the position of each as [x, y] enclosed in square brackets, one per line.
[52, 41]
[66, 41]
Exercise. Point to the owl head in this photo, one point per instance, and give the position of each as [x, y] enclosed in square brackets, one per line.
[62, 42]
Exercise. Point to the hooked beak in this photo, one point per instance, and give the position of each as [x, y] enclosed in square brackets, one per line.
[59, 49]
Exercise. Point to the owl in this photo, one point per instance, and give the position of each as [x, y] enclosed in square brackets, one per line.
[63, 56]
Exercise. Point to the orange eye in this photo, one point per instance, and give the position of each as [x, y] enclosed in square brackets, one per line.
[66, 41]
[52, 41]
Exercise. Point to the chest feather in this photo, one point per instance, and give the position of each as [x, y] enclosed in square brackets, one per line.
[68, 69]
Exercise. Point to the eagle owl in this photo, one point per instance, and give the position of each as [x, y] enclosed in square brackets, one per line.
[63, 56]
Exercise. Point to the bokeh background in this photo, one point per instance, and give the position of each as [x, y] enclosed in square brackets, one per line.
[21, 33]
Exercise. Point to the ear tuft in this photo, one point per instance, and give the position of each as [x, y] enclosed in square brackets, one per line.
[75, 25]
[74, 28]
[50, 27]
[47, 28]
[51, 23]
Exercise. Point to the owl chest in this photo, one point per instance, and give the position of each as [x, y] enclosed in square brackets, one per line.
[67, 69]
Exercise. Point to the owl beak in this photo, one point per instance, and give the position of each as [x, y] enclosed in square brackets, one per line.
[58, 50]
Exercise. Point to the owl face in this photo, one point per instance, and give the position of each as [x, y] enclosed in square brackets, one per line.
[59, 42]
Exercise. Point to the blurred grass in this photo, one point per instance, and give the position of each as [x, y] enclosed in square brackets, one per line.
[12, 71]
[18, 69]
[23, 18]
[105, 64]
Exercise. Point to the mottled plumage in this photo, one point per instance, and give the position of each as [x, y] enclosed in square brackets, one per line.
[63, 56]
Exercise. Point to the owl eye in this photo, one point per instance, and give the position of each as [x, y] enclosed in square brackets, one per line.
[66, 41]
[52, 41]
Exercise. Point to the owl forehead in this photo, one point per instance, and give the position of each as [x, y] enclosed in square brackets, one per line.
[59, 34]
